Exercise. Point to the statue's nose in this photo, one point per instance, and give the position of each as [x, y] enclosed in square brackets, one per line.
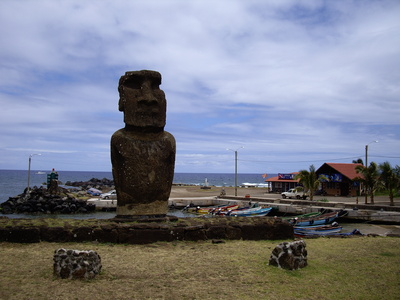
[148, 96]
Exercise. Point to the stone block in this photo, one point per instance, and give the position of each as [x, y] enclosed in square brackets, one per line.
[55, 234]
[24, 235]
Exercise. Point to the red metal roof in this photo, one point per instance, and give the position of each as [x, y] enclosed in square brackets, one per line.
[276, 179]
[348, 170]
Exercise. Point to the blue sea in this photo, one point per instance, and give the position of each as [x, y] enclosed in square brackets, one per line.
[13, 182]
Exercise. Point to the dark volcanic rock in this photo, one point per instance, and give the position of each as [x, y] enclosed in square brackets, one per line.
[111, 231]
[76, 264]
[289, 255]
[39, 200]
[92, 183]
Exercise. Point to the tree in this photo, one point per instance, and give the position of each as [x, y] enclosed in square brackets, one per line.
[358, 161]
[390, 179]
[370, 179]
[310, 180]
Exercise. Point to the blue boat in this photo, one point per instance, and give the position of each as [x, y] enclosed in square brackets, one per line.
[322, 230]
[324, 219]
[251, 212]
[318, 234]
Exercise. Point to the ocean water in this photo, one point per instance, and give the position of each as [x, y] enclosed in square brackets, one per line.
[13, 182]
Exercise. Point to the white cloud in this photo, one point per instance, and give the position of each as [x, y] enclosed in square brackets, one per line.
[296, 82]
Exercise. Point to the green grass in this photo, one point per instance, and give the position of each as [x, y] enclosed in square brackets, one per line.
[323, 200]
[346, 268]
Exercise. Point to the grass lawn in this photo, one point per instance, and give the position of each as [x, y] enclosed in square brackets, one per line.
[339, 268]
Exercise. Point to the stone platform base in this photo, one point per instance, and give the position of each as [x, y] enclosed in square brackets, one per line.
[142, 231]
[145, 218]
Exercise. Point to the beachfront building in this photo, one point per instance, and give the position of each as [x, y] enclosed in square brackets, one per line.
[283, 182]
[342, 179]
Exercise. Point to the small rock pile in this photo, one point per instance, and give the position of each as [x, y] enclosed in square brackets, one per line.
[76, 264]
[39, 200]
[289, 255]
[99, 184]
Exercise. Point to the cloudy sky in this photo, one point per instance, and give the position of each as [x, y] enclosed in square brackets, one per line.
[294, 83]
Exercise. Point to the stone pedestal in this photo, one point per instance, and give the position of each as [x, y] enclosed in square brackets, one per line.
[289, 255]
[76, 264]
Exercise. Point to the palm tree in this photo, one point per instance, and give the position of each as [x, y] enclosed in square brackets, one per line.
[358, 161]
[390, 179]
[310, 180]
[370, 179]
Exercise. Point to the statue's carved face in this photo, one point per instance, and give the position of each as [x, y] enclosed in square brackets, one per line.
[141, 100]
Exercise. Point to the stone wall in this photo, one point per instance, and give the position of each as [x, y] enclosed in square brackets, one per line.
[185, 229]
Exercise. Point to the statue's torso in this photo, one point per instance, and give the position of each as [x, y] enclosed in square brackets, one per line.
[143, 168]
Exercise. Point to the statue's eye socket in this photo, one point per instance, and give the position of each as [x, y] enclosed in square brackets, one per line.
[133, 84]
[155, 86]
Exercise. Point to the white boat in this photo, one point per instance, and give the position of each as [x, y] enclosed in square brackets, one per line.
[103, 204]
[258, 185]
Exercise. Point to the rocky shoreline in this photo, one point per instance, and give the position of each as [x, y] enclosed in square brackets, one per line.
[100, 184]
[59, 200]
[40, 200]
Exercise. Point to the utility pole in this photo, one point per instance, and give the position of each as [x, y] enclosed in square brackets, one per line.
[366, 165]
[29, 168]
[236, 169]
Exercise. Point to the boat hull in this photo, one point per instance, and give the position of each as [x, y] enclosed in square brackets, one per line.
[251, 212]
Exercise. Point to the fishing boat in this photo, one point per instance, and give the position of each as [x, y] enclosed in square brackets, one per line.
[223, 210]
[318, 230]
[333, 234]
[304, 216]
[251, 212]
[315, 227]
[210, 209]
[327, 218]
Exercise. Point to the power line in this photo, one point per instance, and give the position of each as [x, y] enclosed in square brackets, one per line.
[301, 161]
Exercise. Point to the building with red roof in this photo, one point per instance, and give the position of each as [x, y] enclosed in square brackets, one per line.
[342, 180]
[283, 182]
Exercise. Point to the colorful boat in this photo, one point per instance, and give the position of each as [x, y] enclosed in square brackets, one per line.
[304, 216]
[210, 209]
[323, 219]
[315, 227]
[321, 230]
[319, 234]
[250, 212]
[223, 210]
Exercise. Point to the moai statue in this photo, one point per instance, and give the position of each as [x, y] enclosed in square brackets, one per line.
[142, 153]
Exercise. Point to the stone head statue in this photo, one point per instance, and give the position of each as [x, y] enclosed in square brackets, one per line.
[142, 153]
[141, 99]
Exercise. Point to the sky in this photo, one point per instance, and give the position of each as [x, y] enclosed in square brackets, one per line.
[285, 83]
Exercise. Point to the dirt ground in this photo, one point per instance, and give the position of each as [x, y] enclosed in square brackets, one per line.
[196, 191]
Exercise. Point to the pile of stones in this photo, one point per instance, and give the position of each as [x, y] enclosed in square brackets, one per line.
[289, 255]
[39, 200]
[76, 264]
[99, 184]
